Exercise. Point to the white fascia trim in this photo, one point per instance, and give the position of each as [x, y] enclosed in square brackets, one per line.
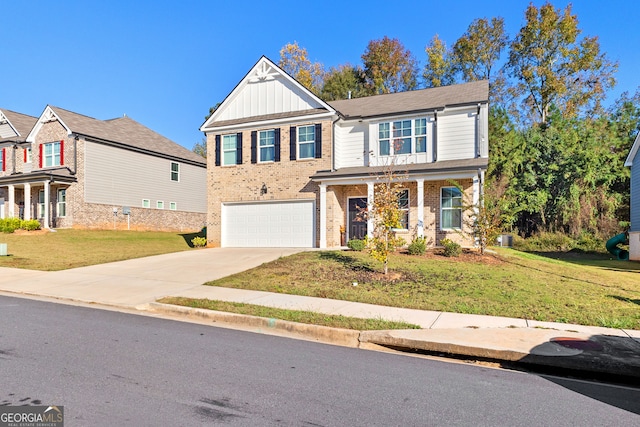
[47, 115]
[633, 152]
[268, 123]
[4, 118]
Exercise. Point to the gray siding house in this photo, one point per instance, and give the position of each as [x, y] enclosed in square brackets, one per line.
[633, 161]
[70, 170]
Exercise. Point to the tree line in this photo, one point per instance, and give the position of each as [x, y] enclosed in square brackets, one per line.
[556, 152]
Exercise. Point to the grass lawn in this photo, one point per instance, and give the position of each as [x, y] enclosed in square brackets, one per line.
[309, 317]
[570, 288]
[41, 250]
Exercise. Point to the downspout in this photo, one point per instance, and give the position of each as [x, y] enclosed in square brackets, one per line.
[435, 134]
[75, 155]
[333, 143]
[13, 158]
[478, 133]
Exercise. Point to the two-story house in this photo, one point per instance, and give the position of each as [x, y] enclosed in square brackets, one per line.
[70, 170]
[287, 169]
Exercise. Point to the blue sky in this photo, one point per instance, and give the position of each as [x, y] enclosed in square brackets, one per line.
[165, 63]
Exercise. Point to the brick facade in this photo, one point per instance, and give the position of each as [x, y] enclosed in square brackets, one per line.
[285, 180]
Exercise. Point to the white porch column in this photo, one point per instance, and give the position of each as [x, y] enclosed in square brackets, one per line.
[370, 226]
[12, 201]
[323, 216]
[45, 218]
[420, 207]
[27, 201]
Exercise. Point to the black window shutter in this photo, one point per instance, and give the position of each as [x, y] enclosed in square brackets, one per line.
[254, 147]
[239, 148]
[277, 145]
[318, 141]
[217, 152]
[293, 140]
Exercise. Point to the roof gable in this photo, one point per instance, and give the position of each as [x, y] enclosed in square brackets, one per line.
[415, 100]
[266, 93]
[124, 132]
[15, 126]
[634, 151]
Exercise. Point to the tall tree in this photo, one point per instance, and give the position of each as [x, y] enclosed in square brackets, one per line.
[440, 68]
[200, 148]
[389, 67]
[552, 66]
[343, 82]
[479, 48]
[295, 61]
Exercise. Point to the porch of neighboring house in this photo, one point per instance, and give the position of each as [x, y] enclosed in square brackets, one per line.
[40, 198]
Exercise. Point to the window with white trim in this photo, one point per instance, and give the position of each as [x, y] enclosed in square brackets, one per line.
[160, 204]
[40, 203]
[403, 205]
[175, 171]
[173, 206]
[267, 145]
[402, 137]
[306, 142]
[146, 203]
[229, 149]
[51, 154]
[28, 155]
[450, 208]
[62, 202]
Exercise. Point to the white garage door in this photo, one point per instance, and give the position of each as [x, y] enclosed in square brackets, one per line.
[283, 224]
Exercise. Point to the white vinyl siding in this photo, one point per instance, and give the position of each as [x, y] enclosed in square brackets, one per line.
[635, 193]
[351, 145]
[129, 177]
[456, 136]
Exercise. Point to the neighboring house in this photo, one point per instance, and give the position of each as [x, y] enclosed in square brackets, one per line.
[70, 170]
[288, 169]
[633, 161]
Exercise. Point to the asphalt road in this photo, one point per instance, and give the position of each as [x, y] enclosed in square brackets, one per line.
[108, 368]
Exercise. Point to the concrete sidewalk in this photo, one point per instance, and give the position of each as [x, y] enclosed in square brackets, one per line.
[138, 283]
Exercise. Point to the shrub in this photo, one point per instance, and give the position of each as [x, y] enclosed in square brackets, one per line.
[30, 225]
[356, 245]
[418, 246]
[9, 225]
[199, 242]
[451, 248]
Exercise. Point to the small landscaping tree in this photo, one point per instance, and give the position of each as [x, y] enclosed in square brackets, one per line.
[387, 217]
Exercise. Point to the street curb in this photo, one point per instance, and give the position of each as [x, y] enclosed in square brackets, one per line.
[325, 334]
[596, 364]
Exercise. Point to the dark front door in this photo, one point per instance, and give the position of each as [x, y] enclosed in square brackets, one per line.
[357, 218]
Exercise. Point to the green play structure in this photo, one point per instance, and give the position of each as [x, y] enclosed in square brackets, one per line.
[614, 249]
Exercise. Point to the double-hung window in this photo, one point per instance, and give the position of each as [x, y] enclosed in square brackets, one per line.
[229, 149]
[175, 171]
[51, 154]
[62, 202]
[267, 145]
[306, 142]
[451, 208]
[402, 137]
[403, 205]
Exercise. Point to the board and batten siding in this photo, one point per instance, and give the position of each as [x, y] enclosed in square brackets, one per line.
[121, 177]
[269, 97]
[351, 145]
[456, 136]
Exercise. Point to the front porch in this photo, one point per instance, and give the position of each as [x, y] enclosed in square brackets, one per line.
[433, 206]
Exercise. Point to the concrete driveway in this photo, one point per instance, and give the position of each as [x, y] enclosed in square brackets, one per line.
[139, 281]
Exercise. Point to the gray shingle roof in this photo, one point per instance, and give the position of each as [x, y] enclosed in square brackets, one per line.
[415, 100]
[126, 131]
[22, 122]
